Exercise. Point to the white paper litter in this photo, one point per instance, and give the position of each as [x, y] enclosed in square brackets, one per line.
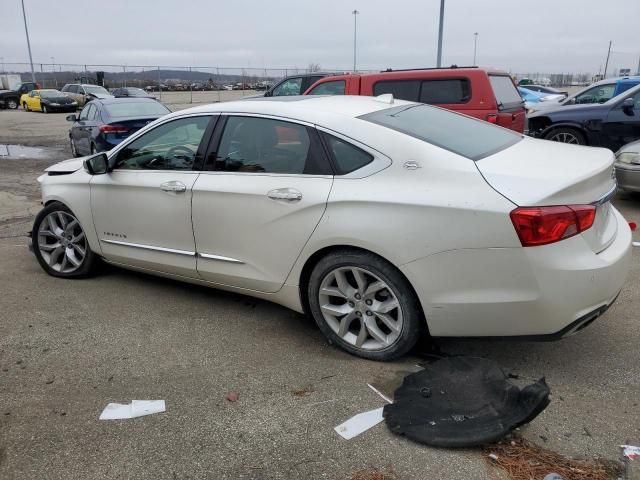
[359, 423]
[137, 408]
[630, 451]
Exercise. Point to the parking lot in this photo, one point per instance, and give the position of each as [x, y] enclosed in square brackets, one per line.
[68, 348]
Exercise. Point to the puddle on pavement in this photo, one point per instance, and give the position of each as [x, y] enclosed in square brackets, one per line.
[22, 151]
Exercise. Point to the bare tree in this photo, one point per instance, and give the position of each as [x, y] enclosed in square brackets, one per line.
[313, 67]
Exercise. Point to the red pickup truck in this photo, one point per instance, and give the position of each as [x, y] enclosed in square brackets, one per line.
[486, 94]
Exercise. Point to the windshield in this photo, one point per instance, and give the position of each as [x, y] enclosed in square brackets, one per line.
[51, 94]
[136, 109]
[466, 136]
[137, 92]
[96, 90]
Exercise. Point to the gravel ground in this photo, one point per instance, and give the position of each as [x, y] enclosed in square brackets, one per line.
[67, 348]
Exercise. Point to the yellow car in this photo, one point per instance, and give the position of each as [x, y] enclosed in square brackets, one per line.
[46, 101]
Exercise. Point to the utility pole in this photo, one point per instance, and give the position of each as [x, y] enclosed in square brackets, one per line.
[606, 64]
[475, 48]
[440, 28]
[637, 71]
[53, 70]
[26, 30]
[355, 30]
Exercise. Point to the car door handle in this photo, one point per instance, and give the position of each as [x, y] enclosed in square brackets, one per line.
[173, 186]
[286, 194]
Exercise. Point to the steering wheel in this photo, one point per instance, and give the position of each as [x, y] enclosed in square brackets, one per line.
[181, 151]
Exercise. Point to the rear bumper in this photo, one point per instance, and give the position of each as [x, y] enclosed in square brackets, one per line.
[628, 176]
[548, 291]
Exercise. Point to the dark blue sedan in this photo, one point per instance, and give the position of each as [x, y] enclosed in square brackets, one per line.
[611, 124]
[104, 123]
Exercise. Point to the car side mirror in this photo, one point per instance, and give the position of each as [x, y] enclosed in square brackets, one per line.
[71, 118]
[629, 103]
[97, 164]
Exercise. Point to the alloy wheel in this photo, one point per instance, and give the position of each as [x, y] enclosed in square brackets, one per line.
[44, 109]
[565, 137]
[12, 104]
[360, 308]
[61, 242]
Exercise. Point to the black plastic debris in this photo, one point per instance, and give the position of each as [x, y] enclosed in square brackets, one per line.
[462, 402]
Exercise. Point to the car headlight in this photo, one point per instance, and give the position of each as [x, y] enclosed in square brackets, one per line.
[55, 104]
[74, 103]
[629, 157]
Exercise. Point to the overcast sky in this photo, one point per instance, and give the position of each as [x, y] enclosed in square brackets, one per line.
[544, 36]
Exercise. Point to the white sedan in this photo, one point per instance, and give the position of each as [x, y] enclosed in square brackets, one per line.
[382, 219]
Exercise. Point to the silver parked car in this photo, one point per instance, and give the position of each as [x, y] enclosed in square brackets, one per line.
[628, 167]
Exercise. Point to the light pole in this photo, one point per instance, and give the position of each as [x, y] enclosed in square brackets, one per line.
[2, 62]
[475, 47]
[26, 30]
[53, 70]
[440, 28]
[355, 30]
[606, 65]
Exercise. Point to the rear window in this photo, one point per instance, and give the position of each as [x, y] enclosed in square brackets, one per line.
[506, 94]
[466, 136]
[335, 87]
[136, 109]
[445, 91]
[402, 89]
[346, 157]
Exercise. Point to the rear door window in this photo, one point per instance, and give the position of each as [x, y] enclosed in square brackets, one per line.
[446, 91]
[505, 91]
[335, 87]
[400, 89]
[264, 145]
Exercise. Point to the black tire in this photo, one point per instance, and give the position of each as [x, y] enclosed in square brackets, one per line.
[88, 263]
[413, 319]
[24, 106]
[93, 149]
[44, 109]
[568, 135]
[12, 104]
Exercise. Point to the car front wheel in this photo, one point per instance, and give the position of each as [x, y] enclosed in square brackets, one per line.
[74, 150]
[12, 104]
[365, 305]
[60, 244]
[44, 109]
[566, 135]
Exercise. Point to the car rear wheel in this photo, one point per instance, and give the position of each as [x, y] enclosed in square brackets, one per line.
[60, 244]
[566, 135]
[12, 104]
[365, 305]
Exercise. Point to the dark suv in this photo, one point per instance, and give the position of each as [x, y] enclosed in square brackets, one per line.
[11, 98]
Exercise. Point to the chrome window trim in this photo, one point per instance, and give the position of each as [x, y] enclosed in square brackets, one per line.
[210, 256]
[149, 247]
[267, 116]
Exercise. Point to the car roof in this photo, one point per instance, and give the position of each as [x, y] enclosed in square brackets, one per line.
[307, 108]
[109, 101]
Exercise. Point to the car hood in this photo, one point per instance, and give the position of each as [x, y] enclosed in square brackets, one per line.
[61, 99]
[101, 95]
[67, 166]
[630, 147]
[556, 109]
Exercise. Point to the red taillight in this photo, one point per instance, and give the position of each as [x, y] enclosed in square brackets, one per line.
[113, 129]
[492, 118]
[544, 225]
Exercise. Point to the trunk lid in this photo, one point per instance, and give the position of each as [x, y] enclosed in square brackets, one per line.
[543, 173]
